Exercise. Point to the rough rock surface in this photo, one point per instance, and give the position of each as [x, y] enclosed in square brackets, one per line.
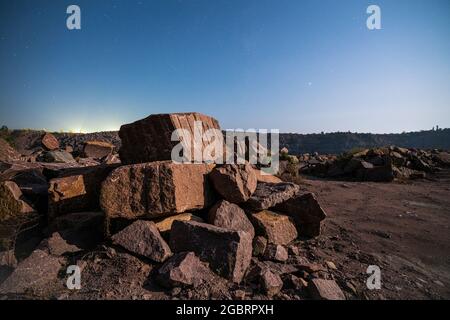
[7, 153]
[276, 253]
[322, 289]
[235, 183]
[97, 149]
[228, 252]
[306, 212]
[149, 139]
[277, 228]
[155, 190]
[268, 195]
[35, 274]
[183, 269]
[76, 189]
[57, 156]
[271, 282]
[143, 238]
[230, 216]
[50, 142]
[259, 245]
[165, 225]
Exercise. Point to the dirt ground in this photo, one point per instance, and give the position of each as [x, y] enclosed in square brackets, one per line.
[402, 227]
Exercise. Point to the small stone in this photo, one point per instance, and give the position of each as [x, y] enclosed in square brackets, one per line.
[276, 253]
[50, 142]
[271, 283]
[322, 289]
[331, 265]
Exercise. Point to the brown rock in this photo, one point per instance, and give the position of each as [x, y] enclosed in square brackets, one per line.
[268, 195]
[322, 289]
[228, 252]
[56, 245]
[442, 158]
[11, 201]
[8, 153]
[143, 238]
[155, 190]
[76, 190]
[165, 225]
[235, 183]
[35, 274]
[55, 156]
[149, 139]
[50, 142]
[276, 253]
[306, 212]
[268, 178]
[230, 216]
[278, 229]
[271, 283]
[259, 245]
[97, 149]
[8, 259]
[182, 269]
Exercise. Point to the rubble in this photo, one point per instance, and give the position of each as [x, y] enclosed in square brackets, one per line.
[377, 164]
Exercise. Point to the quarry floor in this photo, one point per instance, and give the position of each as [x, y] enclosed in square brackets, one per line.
[402, 227]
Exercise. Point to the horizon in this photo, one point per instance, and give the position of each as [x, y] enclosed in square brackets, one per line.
[300, 67]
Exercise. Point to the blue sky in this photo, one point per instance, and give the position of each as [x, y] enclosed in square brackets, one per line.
[297, 66]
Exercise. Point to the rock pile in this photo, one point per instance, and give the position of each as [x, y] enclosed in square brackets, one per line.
[193, 223]
[378, 164]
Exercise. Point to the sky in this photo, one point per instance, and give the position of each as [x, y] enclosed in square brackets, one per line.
[293, 65]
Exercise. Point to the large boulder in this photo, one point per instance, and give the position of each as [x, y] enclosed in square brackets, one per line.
[76, 190]
[306, 213]
[143, 238]
[277, 228]
[150, 140]
[268, 195]
[228, 252]
[49, 142]
[97, 149]
[230, 216]
[235, 183]
[155, 190]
